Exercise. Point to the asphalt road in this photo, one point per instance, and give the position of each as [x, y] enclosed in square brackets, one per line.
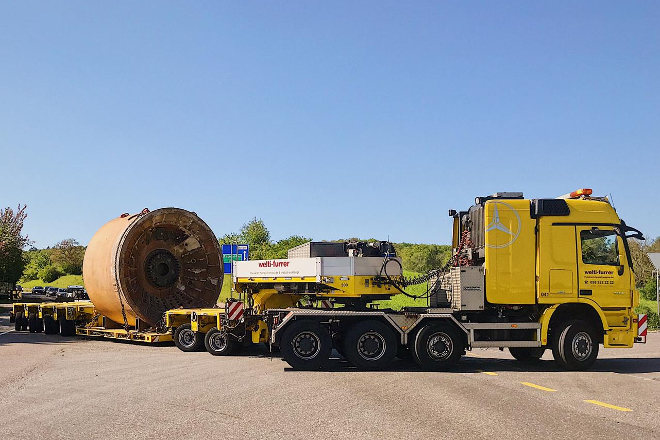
[53, 387]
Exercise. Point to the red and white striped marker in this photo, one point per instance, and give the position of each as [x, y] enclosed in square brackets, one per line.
[642, 326]
[235, 310]
[326, 304]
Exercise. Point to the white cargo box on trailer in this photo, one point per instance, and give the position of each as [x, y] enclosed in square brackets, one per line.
[313, 268]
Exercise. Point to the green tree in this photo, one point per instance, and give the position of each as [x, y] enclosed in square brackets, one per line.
[12, 242]
[49, 273]
[36, 259]
[68, 254]
[423, 257]
[281, 248]
[649, 290]
[256, 235]
[641, 261]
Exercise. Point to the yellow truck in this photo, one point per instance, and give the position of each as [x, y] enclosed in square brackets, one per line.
[527, 275]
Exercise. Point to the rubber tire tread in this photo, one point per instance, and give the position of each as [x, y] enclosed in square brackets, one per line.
[353, 335]
[231, 343]
[527, 354]
[198, 345]
[32, 323]
[561, 347]
[48, 324]
[18, 323]
[422, 357]
[292, 359]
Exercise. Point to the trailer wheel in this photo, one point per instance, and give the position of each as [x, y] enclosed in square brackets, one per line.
[24, 322]
[575, 345]
[187, 340]
[438, 347]
[48, 324]
[18, 323]
[40, 325]
[12, 317]
[32, 322]
[527, 354]
[218, 343]
[306, 345]
[370, 345]
[67, 327]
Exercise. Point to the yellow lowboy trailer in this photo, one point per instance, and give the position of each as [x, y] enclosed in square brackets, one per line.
[78, 318]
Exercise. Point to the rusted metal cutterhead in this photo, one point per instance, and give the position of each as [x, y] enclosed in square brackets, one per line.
[152, 262]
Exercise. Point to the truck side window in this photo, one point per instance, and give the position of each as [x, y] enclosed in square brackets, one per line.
[599, 247]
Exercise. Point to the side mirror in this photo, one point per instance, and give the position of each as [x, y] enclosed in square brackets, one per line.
[621, 269]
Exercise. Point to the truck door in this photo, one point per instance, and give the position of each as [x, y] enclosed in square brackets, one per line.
[604, 272]
[556, 265]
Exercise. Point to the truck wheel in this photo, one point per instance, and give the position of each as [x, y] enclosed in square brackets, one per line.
[12, 318]
[218, 343]
[188, 340]
[575, 345]
[527, 354]
[24, 322]
[306, 345]
[32, 322]
[438, 347]
[48, 324]
[18, 323]
[40, 325]
[370, 345]
[67, 327]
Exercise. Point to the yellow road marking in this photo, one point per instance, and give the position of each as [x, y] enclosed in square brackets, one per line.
[539, 387]
[490, 373]
[607, 405]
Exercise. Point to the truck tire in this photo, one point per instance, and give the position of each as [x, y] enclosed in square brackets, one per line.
[32, 322]
[24, 322]
[306, 345]
[527, 354]
[18, 323]
[187, 340]
[39, 325]
[67, 327]
[48, 324]
[218, 343]
[12, 318]
[438, 347]
[575, 345]
[370, 345]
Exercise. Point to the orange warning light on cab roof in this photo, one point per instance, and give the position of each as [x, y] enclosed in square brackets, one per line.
[581, 192]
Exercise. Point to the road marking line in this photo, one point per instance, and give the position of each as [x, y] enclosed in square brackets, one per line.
[539, 387]
[607, 405]
[6, 332]
[490, 373]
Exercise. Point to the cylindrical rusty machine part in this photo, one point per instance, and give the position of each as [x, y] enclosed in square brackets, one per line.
[139, 266]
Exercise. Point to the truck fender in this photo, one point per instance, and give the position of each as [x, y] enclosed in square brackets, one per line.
[547, 315]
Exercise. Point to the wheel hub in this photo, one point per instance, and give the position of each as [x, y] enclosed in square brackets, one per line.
[582, 346]
[306, 345]
[371, 346]
[439, 346]
[187, 338]
[218, 342]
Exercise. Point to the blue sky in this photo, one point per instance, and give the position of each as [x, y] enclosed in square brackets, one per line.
[325, 119]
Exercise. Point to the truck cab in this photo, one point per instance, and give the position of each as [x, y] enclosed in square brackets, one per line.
[563, 263]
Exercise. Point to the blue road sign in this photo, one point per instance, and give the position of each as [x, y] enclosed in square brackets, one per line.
[234, 252]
